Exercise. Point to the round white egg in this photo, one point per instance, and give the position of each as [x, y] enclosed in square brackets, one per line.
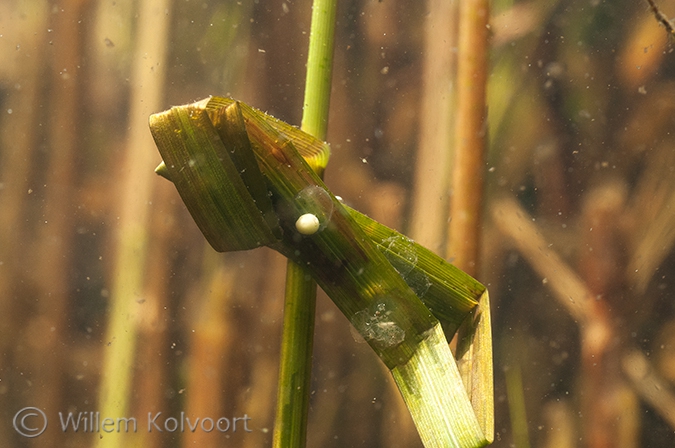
[307, 224]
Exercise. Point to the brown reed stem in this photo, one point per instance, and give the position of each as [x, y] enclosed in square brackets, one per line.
[470, 136]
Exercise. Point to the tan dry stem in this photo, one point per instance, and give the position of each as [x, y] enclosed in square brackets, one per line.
[470, 136]
[436, 117]
[649, 385]
[518, 225]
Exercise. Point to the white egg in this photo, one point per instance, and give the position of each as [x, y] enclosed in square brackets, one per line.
[307, 224]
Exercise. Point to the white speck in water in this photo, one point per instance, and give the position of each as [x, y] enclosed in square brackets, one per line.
[9, 111]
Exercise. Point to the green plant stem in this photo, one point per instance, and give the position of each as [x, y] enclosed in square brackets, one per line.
[295, 367]
[290, 426]
[319, 69]
[517, 410]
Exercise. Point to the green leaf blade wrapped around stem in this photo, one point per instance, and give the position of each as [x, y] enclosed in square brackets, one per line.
[342, 259]
[315, 152]
[447, 291]
[393, 291]
[209, 182]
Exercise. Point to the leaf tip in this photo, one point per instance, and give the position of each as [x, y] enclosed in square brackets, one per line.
[163, 171]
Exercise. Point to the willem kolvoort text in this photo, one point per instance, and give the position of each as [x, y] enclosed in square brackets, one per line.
[93, 422]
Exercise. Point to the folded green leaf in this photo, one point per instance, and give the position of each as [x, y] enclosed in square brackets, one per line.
[447, 291]
[249, 180]
[315, 152]
[342, 259]
[211, 184]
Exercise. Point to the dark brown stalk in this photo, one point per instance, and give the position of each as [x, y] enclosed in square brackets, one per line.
[661, 17]
[49, 328]
[210, 345]
[606, 397]
[19, 143]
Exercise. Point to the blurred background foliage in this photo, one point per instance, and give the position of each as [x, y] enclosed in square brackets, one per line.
[577, 239]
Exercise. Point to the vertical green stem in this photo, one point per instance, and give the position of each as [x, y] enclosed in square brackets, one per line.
[517, 410]
[319, 68]
[295, 367]
[290, 424]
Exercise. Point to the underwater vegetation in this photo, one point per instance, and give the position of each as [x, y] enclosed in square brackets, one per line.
[576, 231]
